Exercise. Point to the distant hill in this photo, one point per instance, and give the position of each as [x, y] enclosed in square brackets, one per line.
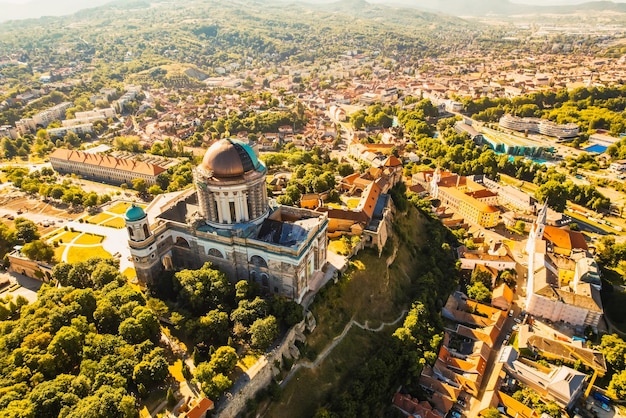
[38, 8]
[500, 7]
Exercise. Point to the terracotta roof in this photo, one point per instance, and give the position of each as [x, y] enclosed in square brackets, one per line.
[201, 408]
[503, 291]
[356, 216]
[369, 199]
[481, 194]
[392, 161]
[107, 161]
[564, 238]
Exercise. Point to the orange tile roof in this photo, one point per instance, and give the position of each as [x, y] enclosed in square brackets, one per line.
[369, 199]
[504, 291]
[201, 407]
[564, 237]
[107, 161]
[392, 161]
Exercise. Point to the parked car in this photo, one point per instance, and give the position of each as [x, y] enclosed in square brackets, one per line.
[519, 321]
[511, 312]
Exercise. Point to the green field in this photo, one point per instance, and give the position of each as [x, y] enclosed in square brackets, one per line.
[101, 217]
[116, 222]
[76, 254]
[120, 208]
[89, 239]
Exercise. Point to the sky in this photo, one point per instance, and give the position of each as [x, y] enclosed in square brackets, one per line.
[18, 9]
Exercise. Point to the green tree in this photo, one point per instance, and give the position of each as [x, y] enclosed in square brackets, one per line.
[39, 251]
[263, 332]
[140, 185]
[617, 386]
[556, 194]
[478, 291]
[614, 350]
[491, 413]
[224, 360]
[26, 230]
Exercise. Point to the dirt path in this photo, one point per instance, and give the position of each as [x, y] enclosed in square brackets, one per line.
[329, 348]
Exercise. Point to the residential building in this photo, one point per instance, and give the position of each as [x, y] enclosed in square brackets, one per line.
[497, 256]
[470, 208]
[86, 128]
[619, 165]
[562, 384]
[502, 297]
[103, 168]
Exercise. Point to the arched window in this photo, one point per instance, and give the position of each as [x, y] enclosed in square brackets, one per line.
[253, 277]
[130, 232]
[214, 252]
[167, 263]
[146, 232]
[265, 280]
[182, 242]
[258, 261]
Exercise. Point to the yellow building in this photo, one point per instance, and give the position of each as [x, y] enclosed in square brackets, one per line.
[469, 207]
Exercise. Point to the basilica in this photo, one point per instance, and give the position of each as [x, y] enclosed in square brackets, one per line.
[228, 220]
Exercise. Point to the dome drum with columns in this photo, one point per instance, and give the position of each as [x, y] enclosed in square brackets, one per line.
[231, 185]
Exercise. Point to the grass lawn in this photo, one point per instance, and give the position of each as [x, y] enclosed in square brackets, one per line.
[129, 273]
[116, 222]
[88, 238]
[176, 370]
[353, 202]
[310, 388]
[514, 341]
[66, 237]
[58, 252]
[120, 208]
[524, 185]
[336, 246]
[83, 253]
[155, 397]
[334, 205]
[101, 217]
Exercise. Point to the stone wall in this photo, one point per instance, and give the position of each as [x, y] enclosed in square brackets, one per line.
[260, 375]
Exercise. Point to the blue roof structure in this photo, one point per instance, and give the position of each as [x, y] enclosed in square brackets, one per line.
[134, 213]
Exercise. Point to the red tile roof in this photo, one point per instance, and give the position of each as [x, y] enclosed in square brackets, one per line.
[107, 161]
[201, 408]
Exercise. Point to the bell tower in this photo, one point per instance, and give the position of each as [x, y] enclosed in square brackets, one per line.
[137, 224]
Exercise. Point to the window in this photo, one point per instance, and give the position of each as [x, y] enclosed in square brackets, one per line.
[215, 253]
[233, 215]
[130, 232]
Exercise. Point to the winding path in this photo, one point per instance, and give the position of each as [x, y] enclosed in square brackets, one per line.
[311, 365]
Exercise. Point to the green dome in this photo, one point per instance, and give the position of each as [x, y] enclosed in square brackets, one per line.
[134, 213]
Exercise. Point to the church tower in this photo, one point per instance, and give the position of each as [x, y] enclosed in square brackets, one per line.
[536, 234]
[536, 231]
[140, 241]
[137, 224]
[434, 183]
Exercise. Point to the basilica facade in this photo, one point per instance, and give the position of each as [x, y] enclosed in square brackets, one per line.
[227, 219]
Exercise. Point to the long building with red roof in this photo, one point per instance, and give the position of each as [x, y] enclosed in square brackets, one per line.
[103, 167]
